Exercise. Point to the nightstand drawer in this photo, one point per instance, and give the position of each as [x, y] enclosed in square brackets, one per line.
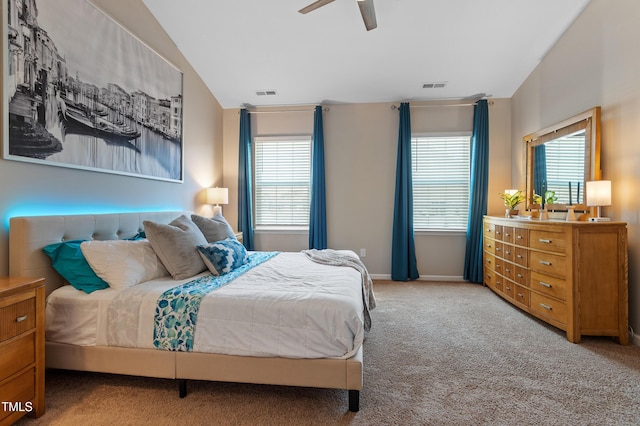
[20, 389]
[17, 355]
[17, 318]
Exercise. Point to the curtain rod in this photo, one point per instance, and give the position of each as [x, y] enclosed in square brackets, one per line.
[284, 111]
[439, 105]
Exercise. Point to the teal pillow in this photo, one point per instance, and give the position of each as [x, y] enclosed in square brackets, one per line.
[223, 256]
[67, 259]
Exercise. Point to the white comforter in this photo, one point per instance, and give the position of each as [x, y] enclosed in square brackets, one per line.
[288, 306]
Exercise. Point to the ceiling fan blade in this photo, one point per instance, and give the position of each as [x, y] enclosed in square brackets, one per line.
[314, 5]
[368, 13]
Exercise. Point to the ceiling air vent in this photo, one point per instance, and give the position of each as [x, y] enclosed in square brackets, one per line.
[266, 92]
[436, 85]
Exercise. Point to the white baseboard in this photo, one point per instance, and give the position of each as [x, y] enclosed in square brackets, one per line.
[422, 277]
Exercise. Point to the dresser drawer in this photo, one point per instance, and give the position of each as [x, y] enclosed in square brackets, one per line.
[498, 283]
[507, 288]
[548, 240]
[489, 278]
[521, 276]
[489, 261]
[510, 271]
[508, 234]
[522, 295]
[499, 249]
[509, 253]
[499, 266]
[489, 230]
[499, 232]
[17, 318]
[548, 263]
[551, 286]
[522, 256]
[489, 246]
[17, 355]
[522, 237]
[19, 389]
[549, 308]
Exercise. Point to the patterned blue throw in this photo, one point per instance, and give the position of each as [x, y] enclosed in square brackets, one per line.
[177, 308]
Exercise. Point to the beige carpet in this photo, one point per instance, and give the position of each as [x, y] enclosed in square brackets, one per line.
[438, 354]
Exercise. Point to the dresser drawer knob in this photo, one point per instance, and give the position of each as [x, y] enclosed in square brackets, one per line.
[542, 283]
[489, 245]
[542, 240]
[520, 276]
[508, 252]
[519, 237]
[547, 307]
[22, 318]
[545, 262]
[520, 295]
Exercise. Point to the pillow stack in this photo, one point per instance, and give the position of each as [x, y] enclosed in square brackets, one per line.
[181, 249]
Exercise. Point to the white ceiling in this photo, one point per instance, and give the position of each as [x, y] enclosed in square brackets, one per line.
[239, 47]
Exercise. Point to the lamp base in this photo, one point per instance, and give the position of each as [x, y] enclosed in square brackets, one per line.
[217, 210]
[599, 219]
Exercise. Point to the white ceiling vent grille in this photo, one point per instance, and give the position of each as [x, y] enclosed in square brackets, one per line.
[435, 85]
[266, 92]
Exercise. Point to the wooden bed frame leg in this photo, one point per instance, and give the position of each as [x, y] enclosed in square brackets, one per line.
[182, 387]
[354, 400]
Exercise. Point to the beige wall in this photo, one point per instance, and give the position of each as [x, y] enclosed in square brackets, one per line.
[596, 62]
[30, 189]
[360, 161]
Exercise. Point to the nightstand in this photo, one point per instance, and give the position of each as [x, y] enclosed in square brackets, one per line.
[239, 236]
[21, 348]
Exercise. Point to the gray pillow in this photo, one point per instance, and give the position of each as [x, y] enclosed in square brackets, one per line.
[176, 244]
[214, 229]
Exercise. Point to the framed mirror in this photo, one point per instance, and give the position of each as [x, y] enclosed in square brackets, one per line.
[562, 158]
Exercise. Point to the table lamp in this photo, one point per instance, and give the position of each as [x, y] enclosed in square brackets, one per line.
[217, 196]
[598, 194]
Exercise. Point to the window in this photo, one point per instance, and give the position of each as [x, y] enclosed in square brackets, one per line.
[282, 181]
[440, 168]
[564, 173]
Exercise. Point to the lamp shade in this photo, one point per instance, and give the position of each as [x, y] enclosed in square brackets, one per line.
[599, 193]
[217, 195]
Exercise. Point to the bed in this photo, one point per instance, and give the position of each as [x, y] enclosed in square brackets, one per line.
[96, 351]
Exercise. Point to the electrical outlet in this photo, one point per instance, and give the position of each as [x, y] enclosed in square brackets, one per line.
[363, 252]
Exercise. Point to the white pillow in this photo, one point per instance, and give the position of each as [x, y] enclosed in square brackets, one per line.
[123, 263]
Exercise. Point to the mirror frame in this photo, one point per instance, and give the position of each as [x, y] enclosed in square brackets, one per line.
[590, 122]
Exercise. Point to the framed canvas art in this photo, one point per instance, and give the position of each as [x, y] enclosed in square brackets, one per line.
[81, 91]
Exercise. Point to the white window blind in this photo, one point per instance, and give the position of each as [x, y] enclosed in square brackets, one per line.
[440, 176]
[282, 181]
[565, 168]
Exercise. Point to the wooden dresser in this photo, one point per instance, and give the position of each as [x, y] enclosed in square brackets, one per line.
[572, 275]
[21, 348]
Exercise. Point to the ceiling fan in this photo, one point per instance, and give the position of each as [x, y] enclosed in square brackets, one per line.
[367, 11]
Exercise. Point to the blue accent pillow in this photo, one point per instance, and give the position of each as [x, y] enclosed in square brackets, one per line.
[67, 259]
[223, 256]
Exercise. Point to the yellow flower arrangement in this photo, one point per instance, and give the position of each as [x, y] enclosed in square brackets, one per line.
[512, 199]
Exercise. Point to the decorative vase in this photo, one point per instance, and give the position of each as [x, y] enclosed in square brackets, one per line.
[571, 213]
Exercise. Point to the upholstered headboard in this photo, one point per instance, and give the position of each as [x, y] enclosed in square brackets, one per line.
[29, 234]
